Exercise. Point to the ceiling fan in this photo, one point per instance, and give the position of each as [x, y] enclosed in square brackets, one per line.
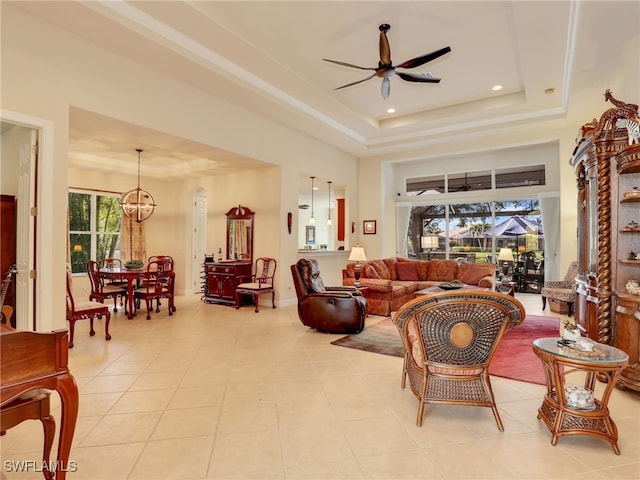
[465, 187]
[386, 69]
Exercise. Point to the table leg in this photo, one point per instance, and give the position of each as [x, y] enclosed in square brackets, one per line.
[68, 391]
[130, 299]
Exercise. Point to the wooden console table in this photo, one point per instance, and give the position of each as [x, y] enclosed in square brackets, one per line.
[563, 419]
[222, 278]
[32, 360]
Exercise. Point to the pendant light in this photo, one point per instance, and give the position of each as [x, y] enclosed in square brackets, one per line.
[329, 222]
[312, 220]
[137, 204]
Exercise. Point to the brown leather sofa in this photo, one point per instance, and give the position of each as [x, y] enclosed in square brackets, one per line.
[392, 282]
[337, 309]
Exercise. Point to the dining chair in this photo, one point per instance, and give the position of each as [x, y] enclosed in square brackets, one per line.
[101, 291]
[260, 283]
[158, 282]
[449, 341]
[83, 311]
[112, 264]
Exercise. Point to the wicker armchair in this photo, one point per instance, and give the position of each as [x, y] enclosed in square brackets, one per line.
[562, 291]
[449, 340]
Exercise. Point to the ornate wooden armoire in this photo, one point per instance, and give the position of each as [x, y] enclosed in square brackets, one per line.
[606, 161]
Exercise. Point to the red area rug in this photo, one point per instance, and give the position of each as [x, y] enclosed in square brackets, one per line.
[514, 358]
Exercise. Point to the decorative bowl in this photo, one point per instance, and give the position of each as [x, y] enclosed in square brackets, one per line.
[455, 284]
[579, 397]
[134, 264]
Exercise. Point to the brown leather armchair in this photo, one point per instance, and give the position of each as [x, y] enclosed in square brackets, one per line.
[337, 309]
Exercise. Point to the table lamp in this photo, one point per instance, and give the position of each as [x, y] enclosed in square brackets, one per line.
[357, 255]
[505, 255]
[429, 242]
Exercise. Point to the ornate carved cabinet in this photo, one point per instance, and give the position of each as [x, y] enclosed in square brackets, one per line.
[607, 166]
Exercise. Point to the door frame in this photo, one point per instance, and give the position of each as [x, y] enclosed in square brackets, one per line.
[45, 301]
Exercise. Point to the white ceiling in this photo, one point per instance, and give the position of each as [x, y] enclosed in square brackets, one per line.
[267, 56]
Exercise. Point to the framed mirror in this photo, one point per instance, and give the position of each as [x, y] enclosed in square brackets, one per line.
[240, 234]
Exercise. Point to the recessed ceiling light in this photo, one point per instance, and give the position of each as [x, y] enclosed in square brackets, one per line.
[391, 110]
[495, 88]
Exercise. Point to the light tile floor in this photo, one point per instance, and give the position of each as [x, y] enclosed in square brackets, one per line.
[214, 392]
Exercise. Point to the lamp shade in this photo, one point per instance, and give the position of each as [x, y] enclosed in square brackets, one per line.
[428, 242]
[357, 254]
[506, 255]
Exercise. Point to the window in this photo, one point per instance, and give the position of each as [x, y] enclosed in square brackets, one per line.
[94, 228]
[510, 177]
[470, 231]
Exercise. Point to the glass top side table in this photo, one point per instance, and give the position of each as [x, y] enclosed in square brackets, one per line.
[560, 415]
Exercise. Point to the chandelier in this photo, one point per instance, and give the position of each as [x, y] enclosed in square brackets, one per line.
[137, 204]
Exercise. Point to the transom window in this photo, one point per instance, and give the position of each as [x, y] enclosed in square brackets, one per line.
[475, 181]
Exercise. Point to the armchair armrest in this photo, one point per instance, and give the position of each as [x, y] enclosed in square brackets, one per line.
[341, 288]
[487, 282]
[332, 294]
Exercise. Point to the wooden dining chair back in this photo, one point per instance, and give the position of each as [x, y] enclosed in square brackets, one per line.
[85, 310]
[158, 282]
[110, 263]
[449, 340]
[113, 265]
[260, 283]
[155, 258]
[100, 290]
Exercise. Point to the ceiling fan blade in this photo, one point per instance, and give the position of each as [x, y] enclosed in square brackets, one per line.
[418, 77]
[355, 83]
[416, 62]
[344, 64]
[386, 87]
[385, 50]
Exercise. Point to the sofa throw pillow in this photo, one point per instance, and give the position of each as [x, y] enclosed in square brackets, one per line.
[407, 271]
[473, 275]
[370, 272]
[391, 266]
[381, 269]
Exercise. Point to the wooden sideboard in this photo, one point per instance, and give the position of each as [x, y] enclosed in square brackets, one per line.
[221, 279]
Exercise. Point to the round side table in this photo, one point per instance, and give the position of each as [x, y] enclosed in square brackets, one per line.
[564, 419]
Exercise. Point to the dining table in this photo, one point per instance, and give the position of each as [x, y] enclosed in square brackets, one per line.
[131, 276]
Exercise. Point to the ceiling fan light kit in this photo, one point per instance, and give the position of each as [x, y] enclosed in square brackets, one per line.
[386, 69]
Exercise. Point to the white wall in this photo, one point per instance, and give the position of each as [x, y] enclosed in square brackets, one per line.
[71, 72]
